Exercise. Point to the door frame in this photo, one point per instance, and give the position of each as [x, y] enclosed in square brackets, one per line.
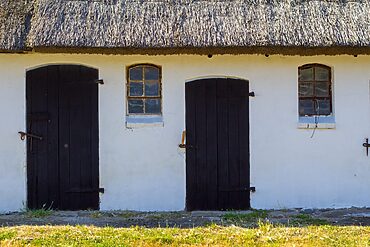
[38, 66]
[200, 78]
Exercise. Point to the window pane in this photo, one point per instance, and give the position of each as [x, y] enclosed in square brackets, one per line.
[322, 89]
[151, 73]
[135, 106]
[136, 88]
[322, 74]
[306, 107]
[323, 107]
[305, 89]
[136, 73]
[306, 74]
[152, 88]
[153, 106]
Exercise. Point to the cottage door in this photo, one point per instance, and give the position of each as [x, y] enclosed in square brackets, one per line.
[62, 157]
[217, 154]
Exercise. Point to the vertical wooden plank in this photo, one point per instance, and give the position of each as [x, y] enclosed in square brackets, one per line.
[39, 147]
[233, 178]
[82, 126]
[94, 133]
[191, 173]
[201, 145]
[88, 149]
[211, 143]
[77, 135]
[52, 137]
[222, 143]
[31, 164]
[65, 76]
[244, 159]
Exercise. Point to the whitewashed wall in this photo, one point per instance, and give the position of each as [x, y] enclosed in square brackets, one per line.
[143, 169]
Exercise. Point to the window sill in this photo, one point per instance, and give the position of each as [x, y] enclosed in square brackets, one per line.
[316, 122]
[144, 121]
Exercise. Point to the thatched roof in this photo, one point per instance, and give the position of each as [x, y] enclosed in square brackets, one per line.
[187, 26]
[14, 22]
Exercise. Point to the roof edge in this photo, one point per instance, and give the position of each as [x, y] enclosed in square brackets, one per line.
[257, 50]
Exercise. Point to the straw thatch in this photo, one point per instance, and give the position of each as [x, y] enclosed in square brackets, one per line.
[189, 26]
[14, 23]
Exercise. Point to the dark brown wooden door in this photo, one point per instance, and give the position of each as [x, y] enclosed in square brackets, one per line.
[217, 135]
[62, 108]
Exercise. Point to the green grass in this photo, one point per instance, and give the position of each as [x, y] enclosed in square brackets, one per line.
[38, 213]
[265, 234]
[305, 219]
[252, 217]
[127, 214]
[96, 214]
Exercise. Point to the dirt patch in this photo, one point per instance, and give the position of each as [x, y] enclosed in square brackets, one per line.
[291, 217]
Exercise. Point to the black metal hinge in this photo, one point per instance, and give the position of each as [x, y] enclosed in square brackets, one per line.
[252, 94]
[100, 81]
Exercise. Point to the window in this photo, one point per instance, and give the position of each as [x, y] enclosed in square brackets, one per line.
[144, 90]
[314, 90]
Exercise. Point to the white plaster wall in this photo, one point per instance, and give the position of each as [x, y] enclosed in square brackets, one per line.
[142, 169]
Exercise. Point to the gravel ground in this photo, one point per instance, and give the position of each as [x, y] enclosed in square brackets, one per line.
[289, 217]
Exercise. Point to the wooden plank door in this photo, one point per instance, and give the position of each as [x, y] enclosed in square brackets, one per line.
[217, 154]
[62, 108]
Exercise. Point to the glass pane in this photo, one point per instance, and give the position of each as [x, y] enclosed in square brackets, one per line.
[306, 74]
[136, 88]
[153, 106]
[322, 89]
[321, 74]
[306, 107]
[135, 106]
[305, 89]
[152, 88]
[136, 73]
[151, 73]
[323, 107]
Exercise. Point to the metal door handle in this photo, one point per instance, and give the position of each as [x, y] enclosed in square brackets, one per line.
[366, 145]
[24, 135]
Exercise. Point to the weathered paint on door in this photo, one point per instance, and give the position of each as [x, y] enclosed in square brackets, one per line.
[217, 154]
[62, 108]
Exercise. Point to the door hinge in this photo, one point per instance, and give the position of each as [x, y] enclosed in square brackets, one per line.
[252, 94]
[100, 81]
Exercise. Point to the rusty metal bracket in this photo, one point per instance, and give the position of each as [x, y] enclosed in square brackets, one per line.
[24, 135]
[183, 139]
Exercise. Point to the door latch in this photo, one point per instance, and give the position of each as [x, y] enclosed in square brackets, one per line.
[183, 141]
[24, 135]
[366, 145]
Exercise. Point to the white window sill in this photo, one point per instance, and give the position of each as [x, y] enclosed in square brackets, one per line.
[144, 121]
[316, 122]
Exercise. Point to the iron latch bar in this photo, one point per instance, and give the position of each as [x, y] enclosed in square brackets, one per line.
[24, 135]
[366, 145]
